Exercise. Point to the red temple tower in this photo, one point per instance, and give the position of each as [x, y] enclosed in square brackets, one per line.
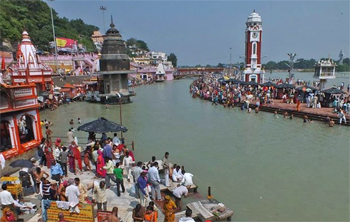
[253, 40]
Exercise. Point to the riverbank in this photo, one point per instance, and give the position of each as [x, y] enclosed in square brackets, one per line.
[319, 114]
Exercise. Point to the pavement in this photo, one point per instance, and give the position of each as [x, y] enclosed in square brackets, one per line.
[125, 203]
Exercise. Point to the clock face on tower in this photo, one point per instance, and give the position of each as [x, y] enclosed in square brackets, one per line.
[255, 36]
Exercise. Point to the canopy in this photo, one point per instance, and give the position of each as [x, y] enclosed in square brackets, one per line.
[333, 91]
[268, 84]
[286, 86]
[102, 125]
[250, 83]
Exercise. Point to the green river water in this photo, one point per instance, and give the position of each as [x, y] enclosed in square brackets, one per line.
[264, 168]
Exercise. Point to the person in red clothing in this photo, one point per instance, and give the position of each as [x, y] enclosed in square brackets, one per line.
[8, 215]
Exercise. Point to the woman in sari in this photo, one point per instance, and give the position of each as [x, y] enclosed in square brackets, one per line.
[71, 157]
[87, 157]
[169, 209]
[49, 154]
[78, 165]
[100, 163]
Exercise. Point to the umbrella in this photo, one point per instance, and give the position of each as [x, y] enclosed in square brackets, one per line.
[268, 84]
[333, 91]
[102, 125]
[22, 163]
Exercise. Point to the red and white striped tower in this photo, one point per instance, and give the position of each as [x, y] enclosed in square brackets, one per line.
[253, 36]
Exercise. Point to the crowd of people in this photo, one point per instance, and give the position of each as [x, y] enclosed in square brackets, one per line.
[112, 163]
[235, 93]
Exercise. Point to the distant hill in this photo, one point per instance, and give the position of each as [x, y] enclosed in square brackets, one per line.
[35, 17]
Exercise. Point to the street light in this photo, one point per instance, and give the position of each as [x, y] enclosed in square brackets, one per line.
[230, 62]
[54, 37]
[103, 8]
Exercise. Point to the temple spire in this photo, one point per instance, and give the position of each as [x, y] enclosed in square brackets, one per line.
[112, 24]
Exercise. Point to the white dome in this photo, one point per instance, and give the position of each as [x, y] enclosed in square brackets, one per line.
[254, 17]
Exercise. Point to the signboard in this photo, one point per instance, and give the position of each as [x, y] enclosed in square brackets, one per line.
[65, 42]
[86, 213]
[24, 103]
[102, 216]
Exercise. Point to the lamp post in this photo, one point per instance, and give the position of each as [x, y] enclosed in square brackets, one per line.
[103, 8]
[230, 61]
[54, 37]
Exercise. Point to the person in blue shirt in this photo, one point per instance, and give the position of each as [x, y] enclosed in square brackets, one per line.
[56, 171]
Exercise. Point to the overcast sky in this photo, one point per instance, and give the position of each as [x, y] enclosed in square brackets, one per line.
[202, 32]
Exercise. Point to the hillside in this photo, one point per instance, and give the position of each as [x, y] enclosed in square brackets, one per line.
[35, 17]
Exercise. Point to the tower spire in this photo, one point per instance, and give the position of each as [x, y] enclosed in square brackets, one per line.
[112, 24]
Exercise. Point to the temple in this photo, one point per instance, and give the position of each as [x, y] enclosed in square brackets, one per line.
[29, 68]
[114, 68]
[19, 107]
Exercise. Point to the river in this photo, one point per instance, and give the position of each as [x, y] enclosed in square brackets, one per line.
[262, 167]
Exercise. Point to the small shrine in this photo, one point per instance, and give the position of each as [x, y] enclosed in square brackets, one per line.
[324, 70]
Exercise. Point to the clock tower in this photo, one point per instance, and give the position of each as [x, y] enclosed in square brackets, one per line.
[253, 36]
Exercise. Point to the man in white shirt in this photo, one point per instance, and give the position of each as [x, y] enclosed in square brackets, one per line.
[6, 199]
[72, 193]
[178, 193]
[188, 217]
[187, 179]
[127, 164]
[154, 180]
[70, 136]
[177, 174]
[99, 195]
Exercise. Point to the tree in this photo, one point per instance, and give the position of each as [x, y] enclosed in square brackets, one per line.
[131, 42]
[142, 45]
[270, 65]
[220, 65]
[173, 59]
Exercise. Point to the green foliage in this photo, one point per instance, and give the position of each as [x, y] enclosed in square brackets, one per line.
[345, 67]
[142, 45]
[173, 59]
[35, 17]
[305, 64]
[136, 45]
[220, 65]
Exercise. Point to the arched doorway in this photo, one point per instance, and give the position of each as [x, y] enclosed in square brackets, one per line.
[6, 143]
[25, 128]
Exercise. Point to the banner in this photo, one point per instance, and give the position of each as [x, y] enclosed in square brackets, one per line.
[66, 43]
[86, 213]
[103, 215]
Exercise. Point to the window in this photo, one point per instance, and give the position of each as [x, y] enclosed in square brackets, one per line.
[25, 129]
[254, 48]
[5, 136]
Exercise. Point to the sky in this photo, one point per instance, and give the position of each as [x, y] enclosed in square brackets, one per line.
[202, 32]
